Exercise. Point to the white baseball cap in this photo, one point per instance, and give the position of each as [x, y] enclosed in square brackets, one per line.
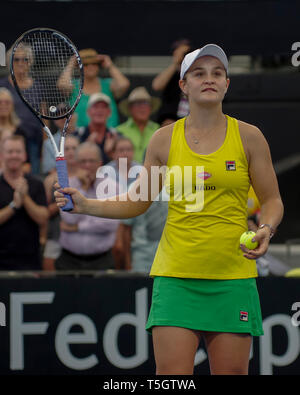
[96, 97]
[207, 50]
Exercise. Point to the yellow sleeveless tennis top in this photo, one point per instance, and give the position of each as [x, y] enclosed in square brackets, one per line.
[207, 210]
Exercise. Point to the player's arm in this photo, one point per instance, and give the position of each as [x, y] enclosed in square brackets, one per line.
[132, 203]
[265, 185]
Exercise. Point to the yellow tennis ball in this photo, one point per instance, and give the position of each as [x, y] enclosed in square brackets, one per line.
[246, 240]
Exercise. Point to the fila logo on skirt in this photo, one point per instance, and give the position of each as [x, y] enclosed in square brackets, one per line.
[243, 316]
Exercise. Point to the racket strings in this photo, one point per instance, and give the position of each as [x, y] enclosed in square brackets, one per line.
[46, 56]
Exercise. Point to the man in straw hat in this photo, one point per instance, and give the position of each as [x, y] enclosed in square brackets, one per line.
[138, 107]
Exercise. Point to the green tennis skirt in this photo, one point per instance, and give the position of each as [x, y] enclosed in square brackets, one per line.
[206, 305]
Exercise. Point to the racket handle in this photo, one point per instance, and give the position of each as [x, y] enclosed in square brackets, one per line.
[63, 180]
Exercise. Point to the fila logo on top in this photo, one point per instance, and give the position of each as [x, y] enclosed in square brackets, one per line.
[230, 165]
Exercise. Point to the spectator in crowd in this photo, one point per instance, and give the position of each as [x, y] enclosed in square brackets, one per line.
[22, 210]
[31, 126]
[139, 128]
[114, 87]
[166, 82]
[10, 122]
[125, 171]
[52, 247]
[87, 241]
[97, 131]
[48, 155]
[141, 235]
[123, 162]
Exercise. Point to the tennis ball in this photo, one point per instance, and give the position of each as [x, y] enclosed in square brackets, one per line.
[246, 240]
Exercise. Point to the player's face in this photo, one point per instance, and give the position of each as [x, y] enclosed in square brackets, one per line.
[6, 105]
[206, 81]
[13, 155]
[99, 112]
[140, 110]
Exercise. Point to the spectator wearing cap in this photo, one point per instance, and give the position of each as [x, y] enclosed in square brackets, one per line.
[97, 131]
[115, 86]
[139, 128]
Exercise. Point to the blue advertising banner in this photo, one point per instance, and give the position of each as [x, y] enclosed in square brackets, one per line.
[74, 325]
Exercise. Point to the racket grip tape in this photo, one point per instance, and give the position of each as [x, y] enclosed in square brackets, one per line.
[63, 180]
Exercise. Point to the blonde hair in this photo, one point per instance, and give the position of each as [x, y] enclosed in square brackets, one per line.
[23, 47]
[13, 117]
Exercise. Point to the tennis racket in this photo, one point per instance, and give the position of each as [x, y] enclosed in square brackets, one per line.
[45, 54]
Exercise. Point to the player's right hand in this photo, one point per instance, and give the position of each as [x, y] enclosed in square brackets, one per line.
[77, 198]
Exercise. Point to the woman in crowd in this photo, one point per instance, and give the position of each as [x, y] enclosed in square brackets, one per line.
[115, 86]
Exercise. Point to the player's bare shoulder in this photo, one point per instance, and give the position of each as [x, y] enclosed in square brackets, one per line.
[248, 130]
[160, 143]
[251, 136]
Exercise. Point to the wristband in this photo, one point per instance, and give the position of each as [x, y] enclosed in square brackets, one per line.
[272, 231]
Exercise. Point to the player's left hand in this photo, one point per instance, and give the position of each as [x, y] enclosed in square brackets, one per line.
[263, 238]
[77, 198]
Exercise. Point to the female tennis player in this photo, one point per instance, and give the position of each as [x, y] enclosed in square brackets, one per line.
[204, 281]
